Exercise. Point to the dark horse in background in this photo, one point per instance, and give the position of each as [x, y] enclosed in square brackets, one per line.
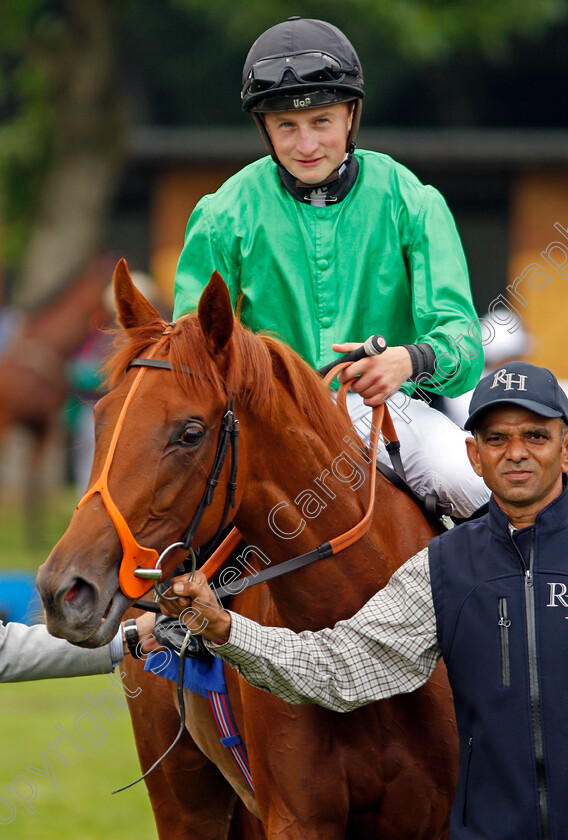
[33, 381]
[386, 770]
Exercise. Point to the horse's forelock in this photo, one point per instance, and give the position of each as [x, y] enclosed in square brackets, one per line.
[128, 345]
[242, 369]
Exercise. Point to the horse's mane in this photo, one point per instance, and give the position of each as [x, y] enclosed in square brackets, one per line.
[251, 363]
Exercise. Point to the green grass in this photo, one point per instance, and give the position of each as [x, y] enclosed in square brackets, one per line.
[82, 805]
[25, 551]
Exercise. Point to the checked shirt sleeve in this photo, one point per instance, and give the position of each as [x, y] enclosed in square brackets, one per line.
[388, 647]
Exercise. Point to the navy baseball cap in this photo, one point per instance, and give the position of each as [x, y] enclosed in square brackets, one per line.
[519, 383]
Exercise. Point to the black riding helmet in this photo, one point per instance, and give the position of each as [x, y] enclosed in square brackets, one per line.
[299, 64]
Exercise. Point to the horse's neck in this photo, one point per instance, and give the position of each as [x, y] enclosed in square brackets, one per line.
[295, 500]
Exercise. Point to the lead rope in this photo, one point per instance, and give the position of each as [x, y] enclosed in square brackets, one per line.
[181, 702]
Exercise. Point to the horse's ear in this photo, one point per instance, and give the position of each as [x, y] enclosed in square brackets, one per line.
[216, 313]
[132, 307]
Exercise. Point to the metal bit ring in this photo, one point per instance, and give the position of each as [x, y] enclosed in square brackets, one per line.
[157, 589]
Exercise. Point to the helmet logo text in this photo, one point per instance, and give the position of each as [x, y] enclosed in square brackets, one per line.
[302, 103]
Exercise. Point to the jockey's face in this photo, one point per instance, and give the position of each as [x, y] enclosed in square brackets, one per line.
[311, 143]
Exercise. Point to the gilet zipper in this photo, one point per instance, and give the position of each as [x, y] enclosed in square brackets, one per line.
[504, 624]
[466, 787]
[536, 715]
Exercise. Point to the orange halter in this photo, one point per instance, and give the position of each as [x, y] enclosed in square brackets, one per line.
[140, 564]
[134, 555]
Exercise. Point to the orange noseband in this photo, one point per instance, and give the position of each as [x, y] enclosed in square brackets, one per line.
[134, 555]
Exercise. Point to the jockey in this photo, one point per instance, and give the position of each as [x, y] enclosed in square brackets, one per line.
[325, 246]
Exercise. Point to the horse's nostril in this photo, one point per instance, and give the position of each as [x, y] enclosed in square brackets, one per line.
[79, 596]
[71, 593]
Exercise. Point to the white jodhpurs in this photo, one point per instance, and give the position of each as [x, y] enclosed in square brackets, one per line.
[432, 449]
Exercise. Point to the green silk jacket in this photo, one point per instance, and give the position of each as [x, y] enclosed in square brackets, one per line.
[386, 259]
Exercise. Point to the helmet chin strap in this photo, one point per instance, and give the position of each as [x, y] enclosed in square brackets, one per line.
[257, 117]
[349, 147]
[353, 131]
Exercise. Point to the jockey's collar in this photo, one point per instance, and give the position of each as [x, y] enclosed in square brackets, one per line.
[334, 189]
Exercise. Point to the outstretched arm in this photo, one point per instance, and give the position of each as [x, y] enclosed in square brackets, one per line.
[31, 653]
[388, 647]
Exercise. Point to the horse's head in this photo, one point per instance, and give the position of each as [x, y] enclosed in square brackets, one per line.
[157, 435]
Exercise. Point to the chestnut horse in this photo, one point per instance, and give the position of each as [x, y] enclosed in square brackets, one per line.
[386, 770]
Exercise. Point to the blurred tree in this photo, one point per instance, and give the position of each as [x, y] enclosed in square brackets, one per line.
[400, 42]
[410, 51]
[62, 143]
[422, 29]
[68, 68]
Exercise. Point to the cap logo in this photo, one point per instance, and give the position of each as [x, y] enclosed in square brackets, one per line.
[302, 103]
[501, 377]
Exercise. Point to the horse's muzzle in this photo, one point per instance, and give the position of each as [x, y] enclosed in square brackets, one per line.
[76, 610]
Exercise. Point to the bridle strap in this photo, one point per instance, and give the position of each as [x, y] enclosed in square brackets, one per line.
[228, 435]
[245, 581]
[142, 361]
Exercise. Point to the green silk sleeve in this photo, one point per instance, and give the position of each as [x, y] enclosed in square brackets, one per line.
[443, 311]
[202, 254]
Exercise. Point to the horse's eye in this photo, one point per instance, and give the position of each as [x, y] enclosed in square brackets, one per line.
[191, 435]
